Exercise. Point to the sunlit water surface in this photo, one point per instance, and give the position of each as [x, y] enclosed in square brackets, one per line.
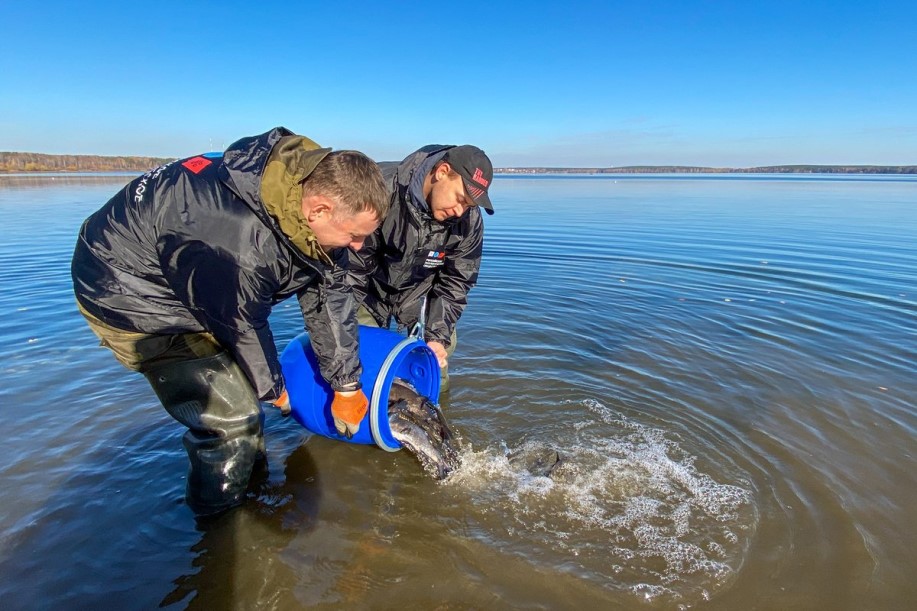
[725, 364]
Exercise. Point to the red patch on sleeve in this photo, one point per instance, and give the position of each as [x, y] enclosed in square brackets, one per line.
[196, 164]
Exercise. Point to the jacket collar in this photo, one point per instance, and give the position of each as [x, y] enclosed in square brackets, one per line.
[418, 177]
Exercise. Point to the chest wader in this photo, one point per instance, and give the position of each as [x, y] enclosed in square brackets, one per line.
[212, 397]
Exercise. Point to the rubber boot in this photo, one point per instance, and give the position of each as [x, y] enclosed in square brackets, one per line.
[212, 397]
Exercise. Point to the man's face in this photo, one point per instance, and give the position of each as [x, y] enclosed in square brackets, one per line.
[338, 230]
[448, 198]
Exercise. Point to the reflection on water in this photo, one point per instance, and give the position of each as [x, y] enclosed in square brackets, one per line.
[724, 364]
[44, 181]
[237, 553]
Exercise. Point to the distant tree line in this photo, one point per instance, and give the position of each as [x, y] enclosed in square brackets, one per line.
[40, 162]
[681, 169]
[833, 169]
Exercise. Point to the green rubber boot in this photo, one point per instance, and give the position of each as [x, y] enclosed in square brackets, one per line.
[212, 397]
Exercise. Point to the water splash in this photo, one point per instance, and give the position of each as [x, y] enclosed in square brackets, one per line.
[627, 508]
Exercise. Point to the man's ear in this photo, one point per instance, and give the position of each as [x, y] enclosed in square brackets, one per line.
[442, 171]
[316, 206]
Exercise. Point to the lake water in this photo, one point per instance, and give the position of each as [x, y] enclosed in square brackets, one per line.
[726, 364]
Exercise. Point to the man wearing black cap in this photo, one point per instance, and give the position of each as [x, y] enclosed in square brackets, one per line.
[429, 245]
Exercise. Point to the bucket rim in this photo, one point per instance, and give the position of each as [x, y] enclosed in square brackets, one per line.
[375, 402]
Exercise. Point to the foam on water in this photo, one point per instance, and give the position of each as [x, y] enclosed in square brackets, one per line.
[627, 508]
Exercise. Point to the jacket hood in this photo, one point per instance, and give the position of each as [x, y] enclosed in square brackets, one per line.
[267, 172]
[412, 171]
[291, 161]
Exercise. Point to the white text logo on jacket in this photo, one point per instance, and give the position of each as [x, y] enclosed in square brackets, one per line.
[435, 258]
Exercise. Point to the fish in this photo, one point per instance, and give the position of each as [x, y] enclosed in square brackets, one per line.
[420, 426]
[539, 461]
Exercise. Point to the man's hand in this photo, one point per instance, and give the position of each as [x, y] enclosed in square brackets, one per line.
[440, 351]
[348, 409]
[282, 403]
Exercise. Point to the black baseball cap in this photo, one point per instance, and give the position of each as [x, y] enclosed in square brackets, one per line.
[476, 170]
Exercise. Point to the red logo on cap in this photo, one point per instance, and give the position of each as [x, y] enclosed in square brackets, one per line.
[196, 164]
[479, 177]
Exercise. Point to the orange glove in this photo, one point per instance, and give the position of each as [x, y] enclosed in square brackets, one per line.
[282, 403]
[348, 409]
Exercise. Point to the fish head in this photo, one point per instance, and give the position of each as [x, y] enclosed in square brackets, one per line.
[420, 426]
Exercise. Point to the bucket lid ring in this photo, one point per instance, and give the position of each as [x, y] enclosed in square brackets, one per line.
[375, 407]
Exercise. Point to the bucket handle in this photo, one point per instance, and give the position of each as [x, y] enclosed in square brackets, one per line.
[417, 331]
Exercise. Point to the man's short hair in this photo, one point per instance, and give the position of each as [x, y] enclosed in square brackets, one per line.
[352, 180]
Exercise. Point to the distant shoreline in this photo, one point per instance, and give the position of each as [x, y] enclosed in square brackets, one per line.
[28, 163]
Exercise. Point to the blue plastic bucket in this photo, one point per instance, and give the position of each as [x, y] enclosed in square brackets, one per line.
[385, 356]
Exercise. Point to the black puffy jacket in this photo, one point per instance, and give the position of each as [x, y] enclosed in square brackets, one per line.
[412, 255]
[189, 247]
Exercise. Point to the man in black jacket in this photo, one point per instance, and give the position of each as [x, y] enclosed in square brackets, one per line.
[429, 245]
[178, 273]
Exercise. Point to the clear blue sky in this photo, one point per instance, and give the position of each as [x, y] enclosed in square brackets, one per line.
[685, 82]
